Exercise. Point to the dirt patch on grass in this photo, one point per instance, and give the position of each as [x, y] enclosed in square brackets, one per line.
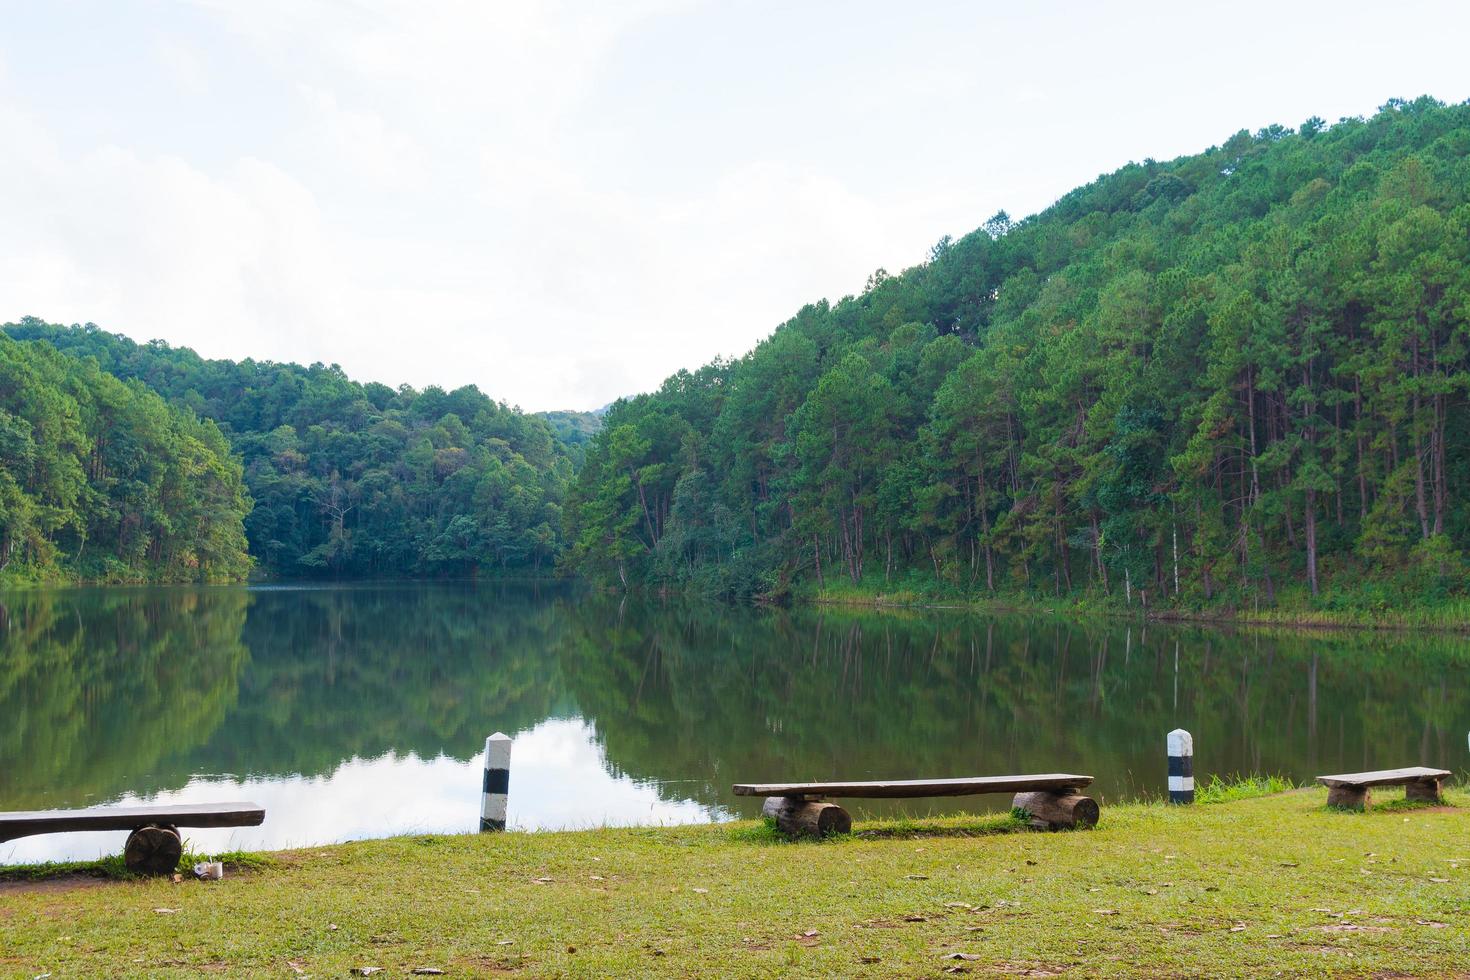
[61, 883]
[1027, 969]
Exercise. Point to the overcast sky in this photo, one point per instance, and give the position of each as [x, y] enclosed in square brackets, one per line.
[565, 202]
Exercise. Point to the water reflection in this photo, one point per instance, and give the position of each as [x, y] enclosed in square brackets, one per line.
[359, 711]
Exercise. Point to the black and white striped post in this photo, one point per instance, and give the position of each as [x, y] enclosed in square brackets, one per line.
[497, 782]
[1181, 766]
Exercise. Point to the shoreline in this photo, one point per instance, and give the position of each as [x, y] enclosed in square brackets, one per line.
[1302, 620]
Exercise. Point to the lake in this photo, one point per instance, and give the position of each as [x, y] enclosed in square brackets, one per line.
[361, 711]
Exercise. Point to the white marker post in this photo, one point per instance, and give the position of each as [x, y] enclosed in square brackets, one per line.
[497, 782]
[1181, 766]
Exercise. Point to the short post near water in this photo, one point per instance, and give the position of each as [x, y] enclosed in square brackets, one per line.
[1181, 766]
[497, 782]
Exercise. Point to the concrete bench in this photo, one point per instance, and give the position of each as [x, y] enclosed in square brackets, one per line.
[1051, 799]
[154, 846]
[1351, 790]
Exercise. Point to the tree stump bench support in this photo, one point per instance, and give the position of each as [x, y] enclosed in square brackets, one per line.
[1050, 800]
[154, 846]
[1351, 791]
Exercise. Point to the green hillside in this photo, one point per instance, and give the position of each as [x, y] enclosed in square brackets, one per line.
[102, 480]
[1234, 378]
[359, 480]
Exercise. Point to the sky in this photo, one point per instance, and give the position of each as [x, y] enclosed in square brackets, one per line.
[562, 203]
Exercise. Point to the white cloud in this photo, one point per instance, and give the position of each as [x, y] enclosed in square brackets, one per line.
[567, 201]
[381, 157]
[182, 62]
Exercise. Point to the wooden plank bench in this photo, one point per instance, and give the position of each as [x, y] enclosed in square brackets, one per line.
[154, 846]
[1051, 799]
[1351, 790]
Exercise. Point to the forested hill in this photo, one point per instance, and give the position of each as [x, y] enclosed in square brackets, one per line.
[104, 481]
[1216, 379]
[352, 479]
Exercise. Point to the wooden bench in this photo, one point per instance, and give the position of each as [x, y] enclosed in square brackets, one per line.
[1051, 799]
[154, 846]
[1350, 790]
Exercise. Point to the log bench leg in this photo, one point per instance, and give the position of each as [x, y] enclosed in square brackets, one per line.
[798, 816]
[1349, 797]
[1423, 790]
[1055, 811]
[153, 850]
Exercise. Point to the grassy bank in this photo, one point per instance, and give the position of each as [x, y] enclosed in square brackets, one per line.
[1273, 884]
[1293, 607]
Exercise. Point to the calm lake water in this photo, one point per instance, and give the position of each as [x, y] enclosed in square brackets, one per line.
[361, 711]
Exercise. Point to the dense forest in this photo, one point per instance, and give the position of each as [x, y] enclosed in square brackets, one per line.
[350, 479]
[105, 481]
[1231, 378]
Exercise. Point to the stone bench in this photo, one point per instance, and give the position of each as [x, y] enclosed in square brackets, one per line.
[1351, 790]
[154, 846]
[1051, 799]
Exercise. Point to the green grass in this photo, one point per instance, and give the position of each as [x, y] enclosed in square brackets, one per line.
[1271, 884]
[1229, 789]
[1293, 608]
[111, 867]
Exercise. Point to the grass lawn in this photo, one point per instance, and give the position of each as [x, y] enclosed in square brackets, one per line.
[1274, 885]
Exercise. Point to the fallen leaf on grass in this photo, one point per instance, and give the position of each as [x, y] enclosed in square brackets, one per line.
[700, 891]
[961, 956]
[427, 971]
[365, 971]
[332, 927]
[1432, 925]
[958, 905]
[505, 942]
[165, 911]
[1441, 881]
[868, 959]
[915, 918]
[1105, 911]
[917, 877]
[297, 967]
[542, 881]
[1238, 927]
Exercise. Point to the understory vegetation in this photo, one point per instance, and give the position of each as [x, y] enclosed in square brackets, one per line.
[1231, 380]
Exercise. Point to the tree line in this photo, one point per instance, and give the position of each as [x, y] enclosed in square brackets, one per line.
[346, 479]
[1223, 379]
[103, 480]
